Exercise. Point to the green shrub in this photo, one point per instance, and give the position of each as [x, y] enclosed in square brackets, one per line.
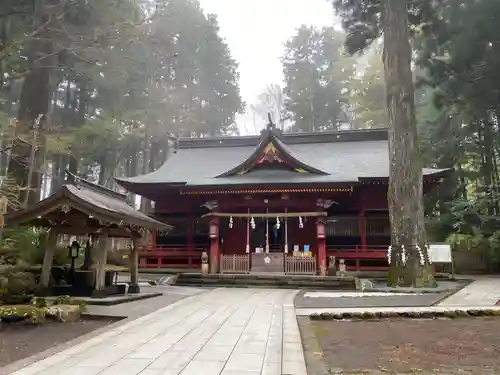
[62, 300]
[315, 316]
[30, 313]
[368, 315]
[16, 286]
[326, 316]
[20, 283]
[40, 302]
[64, 313]
[67, 300]
[3, 285]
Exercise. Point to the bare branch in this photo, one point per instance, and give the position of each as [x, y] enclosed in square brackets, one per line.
[5, 149]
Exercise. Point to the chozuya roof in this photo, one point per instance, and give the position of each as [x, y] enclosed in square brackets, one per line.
[79, 199]
[274, 158]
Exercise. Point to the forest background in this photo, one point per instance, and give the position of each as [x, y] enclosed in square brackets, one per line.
[104, 88]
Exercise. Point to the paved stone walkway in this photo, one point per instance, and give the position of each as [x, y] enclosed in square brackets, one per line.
[484, 291]
[223, 331]
[136, 309]
[481, 294]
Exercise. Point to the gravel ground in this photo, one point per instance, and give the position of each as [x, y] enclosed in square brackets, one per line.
[18, 342]
[22, 340]
[462, 346]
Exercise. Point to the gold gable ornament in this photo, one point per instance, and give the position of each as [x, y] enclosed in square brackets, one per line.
[270, 154]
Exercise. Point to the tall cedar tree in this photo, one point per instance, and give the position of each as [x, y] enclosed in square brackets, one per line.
[315, 72]
[365, 20]
[114, 83]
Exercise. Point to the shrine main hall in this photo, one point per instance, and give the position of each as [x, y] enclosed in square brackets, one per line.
[276, 202]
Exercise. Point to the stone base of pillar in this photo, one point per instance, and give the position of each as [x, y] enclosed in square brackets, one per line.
[214, 265]
[323, 270]
[204, 269]
[134, 289]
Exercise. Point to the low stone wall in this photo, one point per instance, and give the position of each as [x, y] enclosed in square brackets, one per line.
[268, 280]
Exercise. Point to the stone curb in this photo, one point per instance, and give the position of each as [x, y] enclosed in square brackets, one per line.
[451, 314]
[411, 291]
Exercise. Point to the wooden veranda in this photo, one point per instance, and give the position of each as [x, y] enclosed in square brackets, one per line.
[80, 207]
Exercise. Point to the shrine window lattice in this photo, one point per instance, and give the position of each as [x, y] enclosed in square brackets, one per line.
[350, 227]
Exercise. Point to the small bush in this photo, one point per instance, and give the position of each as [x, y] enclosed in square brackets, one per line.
[64, 313]
[30, 313]
[16, 286]
[62, 300]
[453, 314]
[67, 300]
[450, 314]
[21, 283]
[326, 316]
[315, 316]
[368, 315]
[39, 302]
[426, 315]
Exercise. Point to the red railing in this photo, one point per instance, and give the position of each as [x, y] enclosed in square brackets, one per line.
[170, 256]
[358, 255]
[178, 256]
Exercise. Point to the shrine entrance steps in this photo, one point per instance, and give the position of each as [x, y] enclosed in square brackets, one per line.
[267, 280]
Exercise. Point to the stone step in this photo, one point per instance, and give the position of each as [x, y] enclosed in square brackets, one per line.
[271, 280]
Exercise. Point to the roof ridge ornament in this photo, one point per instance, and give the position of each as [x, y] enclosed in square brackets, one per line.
[270, 150]
[270, 125]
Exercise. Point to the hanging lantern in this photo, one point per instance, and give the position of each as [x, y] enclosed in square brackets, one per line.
[301, 224]
[252, 223]
[231, 224]
[213, 229]
[320, 229]
[278, 224]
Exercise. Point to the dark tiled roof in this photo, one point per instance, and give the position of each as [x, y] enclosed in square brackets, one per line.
[91, 199]
[344, 156]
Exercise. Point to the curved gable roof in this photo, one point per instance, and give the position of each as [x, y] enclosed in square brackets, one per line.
[271, 144]
[93, 200]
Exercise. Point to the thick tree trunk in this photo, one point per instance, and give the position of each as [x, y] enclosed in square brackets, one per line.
[488, 166]
[48, 259]
[34, 105]
[101, 257]
[145, 203]
[102, 170]
[87, 261]
[132, 169]
[408, 252]
[73, 161]
[58, 172]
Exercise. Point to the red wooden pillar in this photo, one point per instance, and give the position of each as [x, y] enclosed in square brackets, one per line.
[321, 241]
[190, 235]
[154, 233]
[214, 245]
[362, 228]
